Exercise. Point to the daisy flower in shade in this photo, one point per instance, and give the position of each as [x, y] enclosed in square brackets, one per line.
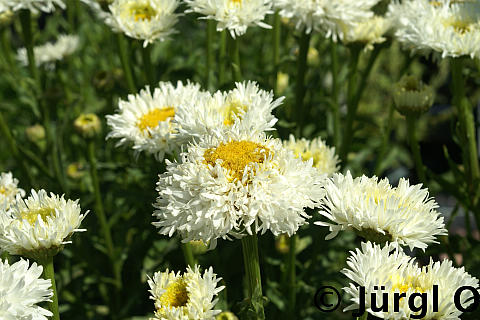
[368, 32]
[323, 156]
[330, 17]
[9, 189]
[234, 15]
[233, 183]
[39, 225]
[187, 296]
[34, 5]
[147, 20]
[246, 106]
[451, 28]
[379, 212]
[374, 266]
[146, 119]
[21, 289]
[49, 53]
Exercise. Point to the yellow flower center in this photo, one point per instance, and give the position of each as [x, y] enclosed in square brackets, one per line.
[153, 117]
[232, 110]
[142, 12]
[32, 215]
[236, 155]
[3, 190]
[176, 294]
[404, 284]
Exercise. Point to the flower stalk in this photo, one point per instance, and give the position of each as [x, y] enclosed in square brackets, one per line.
[188, 254]
[303, 44]
[222, 58]
[252, 272]
[413, 141]
[49, 273]
[335, 104]
[277, 29]
[210, 53]
[234, 48]
[291, 271]
[127, 69]
[147, 65]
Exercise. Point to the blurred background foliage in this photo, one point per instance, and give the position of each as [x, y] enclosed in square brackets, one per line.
[91, 80]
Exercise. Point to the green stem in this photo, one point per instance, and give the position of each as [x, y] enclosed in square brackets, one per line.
[6, 47]
[412, 139]
[335, 104]
[147, 65]
[222, 58]
[385, 138]
[252, 272]
[364, 316]
[188, 254]
[49, 273]
[277, 31]
[26, 22]
[303, 44]
[291, 271]
[210, 53]
[125, 60]
[234, 49]
[104, 226]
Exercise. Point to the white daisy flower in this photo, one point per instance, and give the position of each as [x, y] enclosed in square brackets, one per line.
[234, 15]
[9, 189]
[21, 289]
[146, 119]
[233, 183]
[451, 28]
[246, 106]
[39, 225]
[382, 270]
[190, 296]
[147, 20]
[330, 17]
[368, 32]
[377, 211]
[323, 156]
[34, 5]
[49, 53]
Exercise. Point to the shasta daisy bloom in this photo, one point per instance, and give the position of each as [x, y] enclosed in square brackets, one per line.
[187, 296]
[146, 119]
[39, 225]
[393, 272]
[451, 28]
[234, 15]
[233, 183]
[9, 189]
[49, 53]
[379, 212]
[147, 20]
[368, 32]
[247, 106]
[34, 5]
[323, 156]
[21, 289]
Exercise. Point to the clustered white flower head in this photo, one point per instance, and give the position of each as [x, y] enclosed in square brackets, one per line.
[368, 32]
[326, 16]
[32, 5]
[233, 183]
[404, 214]
[451, 28]
[376, 266]
[21, 289]
[146, 119]
[246, 105]
[147, 20]
[323, 156]
[9, 190]
[39, 225]
[186, 296]
[234, 15]
[49, 53]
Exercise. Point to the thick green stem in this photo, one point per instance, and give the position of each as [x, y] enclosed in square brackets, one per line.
[6, 48]
[49, 273]
[125, 60]
[277, 31]
[26, 22]
[104, 226]
[210, 53]
[234, 48]
[335, 104]
[412, 140]
[303, 44]
[291, 271]
[147, 65]
[188, 254]
[222, 58]
[386, 135]
[252, 272]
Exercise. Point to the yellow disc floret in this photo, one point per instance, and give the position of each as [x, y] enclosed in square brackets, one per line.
[236, 155]
[153, 117]
[176, 294]
[32, 215]
[142, 12]
[404, 284]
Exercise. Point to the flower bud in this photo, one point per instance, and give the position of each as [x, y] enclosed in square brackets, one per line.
[6, 18]
[87, 125]
[282, 82]
[198, 247]
[412, 96]
[76, 170]
[226, 315]
[281, 244]
[35, 133]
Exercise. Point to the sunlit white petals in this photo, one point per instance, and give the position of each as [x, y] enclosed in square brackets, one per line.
[34, 5]
[9, 190]
[368, 32]
[404, 214]
[49, 53]
[186, 296]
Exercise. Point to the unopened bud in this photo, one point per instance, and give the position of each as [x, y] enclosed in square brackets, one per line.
[87, 125]
[226, 315]
[35, 133]
[412, 96]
